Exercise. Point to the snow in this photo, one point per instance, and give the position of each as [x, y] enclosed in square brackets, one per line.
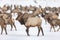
[20, 34]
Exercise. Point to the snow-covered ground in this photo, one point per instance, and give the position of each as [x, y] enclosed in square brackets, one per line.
[20, 34]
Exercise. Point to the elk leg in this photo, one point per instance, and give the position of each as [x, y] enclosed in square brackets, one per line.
[5, 30]
[38, 31]
[11, 27]
[27, 30]
[1, 29]
[45, 21]
[54, 29]
[42, 31]
[50, 28]
[58, 29]
[14, 26]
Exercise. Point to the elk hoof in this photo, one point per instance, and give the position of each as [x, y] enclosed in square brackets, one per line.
[6, 33]
[37, 35]
[54, 31]
[15, 29]
[1, 33]
[28, 35]
[11, 30]
[42, 34]
[57, 30]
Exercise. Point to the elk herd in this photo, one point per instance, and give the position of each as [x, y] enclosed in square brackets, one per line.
[30, 16]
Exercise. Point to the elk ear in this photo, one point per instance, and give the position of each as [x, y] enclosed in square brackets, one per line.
[11, 5]
[14, 6]
[39, 6]
[42, 14]
[57, 14]
[20, 5]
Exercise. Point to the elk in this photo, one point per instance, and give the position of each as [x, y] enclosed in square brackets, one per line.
[3, 25]
[30, 21]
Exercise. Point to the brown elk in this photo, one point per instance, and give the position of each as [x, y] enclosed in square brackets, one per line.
[3, 25]
[30, 21]
[9, 20]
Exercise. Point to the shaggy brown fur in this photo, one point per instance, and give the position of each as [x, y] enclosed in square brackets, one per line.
[23, 19]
